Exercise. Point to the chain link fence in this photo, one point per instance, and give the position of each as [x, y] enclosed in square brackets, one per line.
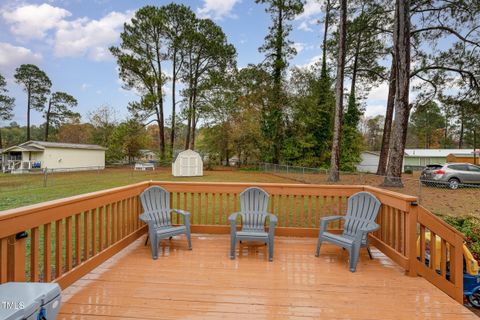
[442, 198]
[28, 188]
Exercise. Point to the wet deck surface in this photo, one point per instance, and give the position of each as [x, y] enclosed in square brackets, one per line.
[206, 284]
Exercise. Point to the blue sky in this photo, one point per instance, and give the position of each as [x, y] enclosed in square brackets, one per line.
[69, 40]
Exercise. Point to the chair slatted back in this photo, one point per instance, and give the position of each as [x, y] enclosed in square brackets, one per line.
[363, 208]
[156, 202]
[253, 209]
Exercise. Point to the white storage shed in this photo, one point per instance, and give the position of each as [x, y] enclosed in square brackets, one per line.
[187, 163]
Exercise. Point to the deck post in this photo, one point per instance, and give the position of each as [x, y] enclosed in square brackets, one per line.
[458, 274]
[16, 257]
[411, 239]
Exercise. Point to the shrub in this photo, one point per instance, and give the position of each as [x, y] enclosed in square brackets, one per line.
[470, 227]
[408, 171]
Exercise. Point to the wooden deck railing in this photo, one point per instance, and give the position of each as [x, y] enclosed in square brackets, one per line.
[64, 239]
[67, 238]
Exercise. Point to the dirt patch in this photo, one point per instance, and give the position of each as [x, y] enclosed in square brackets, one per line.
[439, 200]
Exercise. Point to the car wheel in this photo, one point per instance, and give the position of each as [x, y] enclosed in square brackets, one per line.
[453, 183]
[474, 299]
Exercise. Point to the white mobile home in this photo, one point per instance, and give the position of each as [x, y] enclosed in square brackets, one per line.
[414, 159]
[40, 155]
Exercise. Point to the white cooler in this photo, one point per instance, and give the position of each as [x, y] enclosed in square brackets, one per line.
[29, 300]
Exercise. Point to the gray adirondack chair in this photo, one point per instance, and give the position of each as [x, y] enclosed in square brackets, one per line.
[158, 216]
[253, 206]
[362, 211]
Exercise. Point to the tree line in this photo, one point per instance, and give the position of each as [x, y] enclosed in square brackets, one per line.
[427, 52]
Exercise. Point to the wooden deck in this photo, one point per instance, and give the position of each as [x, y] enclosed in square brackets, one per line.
[206, 284]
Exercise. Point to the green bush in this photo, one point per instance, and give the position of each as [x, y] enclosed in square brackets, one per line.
[408, 171]
[470, 227]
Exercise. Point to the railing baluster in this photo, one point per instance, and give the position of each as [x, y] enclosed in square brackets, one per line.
[78, 257]
[100, 228]
[177, 197]
[34, 250]
[443, 257]
[206, 208]
[286, 210]
[68, 243]
[86, 226]
[433, 250]
[398, 217]
[94, 231]
[47, 239]
[295, 210]
[192, 207]
[58, 248]
[220, 213]
[422, 243]
[114, 222]
[108, 225]
[235, 204]
[309, 214]
[199, 209]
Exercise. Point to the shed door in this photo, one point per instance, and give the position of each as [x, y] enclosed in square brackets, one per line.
[192, 166]
[184, 166]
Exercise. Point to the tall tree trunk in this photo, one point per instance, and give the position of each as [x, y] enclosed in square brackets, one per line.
[387, 127]
[189, 124]
[445, 132]
[276, 114]
[160, 116]
[194, 113]
[323, 72]
[337, 129]
[47, 119]
[28, 113]
[401, 41]
[462, 129]
[189, 120]
[161, 130]
[174, 80]
[355, 60]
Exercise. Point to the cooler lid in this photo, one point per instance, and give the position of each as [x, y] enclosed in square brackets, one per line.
[12, 308]
[30, 291]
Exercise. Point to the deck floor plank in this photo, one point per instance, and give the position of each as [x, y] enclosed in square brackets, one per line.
[205, 284]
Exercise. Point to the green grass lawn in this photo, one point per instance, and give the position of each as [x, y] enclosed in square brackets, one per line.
[24, 189]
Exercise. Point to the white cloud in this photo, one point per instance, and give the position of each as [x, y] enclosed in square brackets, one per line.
[379, 92]
[33, 21]
[299, 46]
[90, 37]
[311, 62]
[69, 38]
[310, 8]
[217, 9]
[12, 56]
[373, 110]
[85, 86]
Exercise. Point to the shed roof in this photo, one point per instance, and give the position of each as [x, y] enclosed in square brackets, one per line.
[464, 155]
[178, 152]
[427, 153]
